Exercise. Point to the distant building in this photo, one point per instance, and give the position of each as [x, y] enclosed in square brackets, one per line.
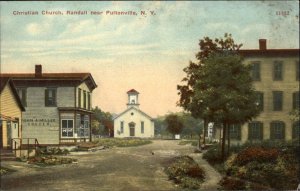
[133, 122]
[10, 113]
[58, 105]
[275, 73]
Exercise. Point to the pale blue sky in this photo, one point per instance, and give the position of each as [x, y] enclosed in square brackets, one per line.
[147, 53]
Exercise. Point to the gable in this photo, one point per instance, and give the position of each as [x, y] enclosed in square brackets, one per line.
[133, 109]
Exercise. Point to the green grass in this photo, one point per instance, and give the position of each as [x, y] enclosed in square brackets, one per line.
[110, 142]
[186, 142]
[4, 170]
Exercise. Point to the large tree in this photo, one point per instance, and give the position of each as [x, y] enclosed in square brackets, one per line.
[101, 122]
[219, 87]
[174, 124]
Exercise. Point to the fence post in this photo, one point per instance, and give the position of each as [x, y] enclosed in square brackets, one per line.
[27, 148]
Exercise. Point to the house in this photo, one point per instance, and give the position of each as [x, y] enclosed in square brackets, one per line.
[10, 113]
[133, 122]
[58, 105]
[275, 74]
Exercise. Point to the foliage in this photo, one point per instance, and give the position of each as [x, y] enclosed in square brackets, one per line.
[264, 167]
[294, 115]
[258, 154]
[101, 122]
[213, 155]
[50, 160]
[4, 170]
[219, 87]
[185, 171]
[191, 126]
[110, 142]
[51, 151]
[174, 124]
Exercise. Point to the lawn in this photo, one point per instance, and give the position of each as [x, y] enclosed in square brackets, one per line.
[111, 142]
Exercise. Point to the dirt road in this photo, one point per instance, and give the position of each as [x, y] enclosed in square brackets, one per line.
[120, 169]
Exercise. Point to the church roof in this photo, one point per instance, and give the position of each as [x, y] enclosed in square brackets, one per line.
[133, 91]
[140, 111]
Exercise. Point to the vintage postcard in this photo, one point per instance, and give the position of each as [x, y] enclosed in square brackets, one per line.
[142, 95]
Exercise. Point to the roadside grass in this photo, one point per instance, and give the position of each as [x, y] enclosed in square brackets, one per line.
[187, 142]
[50, 160]
[111, 142]
[185, 172]
[4, 170]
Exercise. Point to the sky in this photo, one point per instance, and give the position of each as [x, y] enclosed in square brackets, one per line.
[143, 52]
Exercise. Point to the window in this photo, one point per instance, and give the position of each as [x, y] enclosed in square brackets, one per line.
[296, 104]
[260, 100]
[277, 70]
[255, 71]
[122, 127]
[142, 126]
[255, 131]
[277, 100]
[79, 97]
[296, 130]
[50, 97]
[67, 128]
[297, 70]
[84, 99]
[235, 131]
[89, 101]
[22, 92]
[277, 130]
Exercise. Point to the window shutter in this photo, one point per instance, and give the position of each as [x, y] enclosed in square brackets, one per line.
[283, 131]
[54, 96]
[239, 132]
[46, 97]
[249, 131]
[272, 131]
[294, 100]
[261, 126]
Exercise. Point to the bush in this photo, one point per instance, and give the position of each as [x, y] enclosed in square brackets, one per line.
[51, 151]
[258, 154]
[213, 155]
[229, 183]
[263, 167]
[185, 171]
[50, 160]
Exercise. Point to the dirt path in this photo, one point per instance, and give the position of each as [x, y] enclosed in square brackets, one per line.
[120, 169]
[212, 177]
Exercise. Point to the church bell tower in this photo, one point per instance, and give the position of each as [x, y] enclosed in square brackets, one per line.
[133, 100]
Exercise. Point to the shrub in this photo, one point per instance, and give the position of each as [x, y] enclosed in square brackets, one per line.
[185, 171]
[258, 154]
[213, 155]
[229, 183]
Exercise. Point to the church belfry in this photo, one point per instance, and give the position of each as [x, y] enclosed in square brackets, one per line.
[133, 98]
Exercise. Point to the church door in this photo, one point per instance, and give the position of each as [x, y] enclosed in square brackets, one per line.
[131, 131]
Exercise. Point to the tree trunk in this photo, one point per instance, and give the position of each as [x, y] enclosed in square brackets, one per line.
[204, 130]
[228, 134]
[223, 141]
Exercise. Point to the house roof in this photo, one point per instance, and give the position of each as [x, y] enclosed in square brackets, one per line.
[133, 91]
[269, 52]
[81, 77]
[6, 80]
[134, 108]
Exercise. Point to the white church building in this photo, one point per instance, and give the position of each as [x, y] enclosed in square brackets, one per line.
[133, 122]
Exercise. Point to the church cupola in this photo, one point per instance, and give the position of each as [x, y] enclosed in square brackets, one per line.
[133, 98]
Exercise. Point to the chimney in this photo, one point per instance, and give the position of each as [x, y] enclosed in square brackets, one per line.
[262, 44]
[38, 71]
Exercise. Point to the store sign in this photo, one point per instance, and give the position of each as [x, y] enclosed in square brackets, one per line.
[39, 122]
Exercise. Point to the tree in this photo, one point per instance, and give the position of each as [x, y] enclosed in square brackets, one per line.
[101, 122]
[174, 125]
[219, 87]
